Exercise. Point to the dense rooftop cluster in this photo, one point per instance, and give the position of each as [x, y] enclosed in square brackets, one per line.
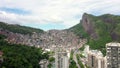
[44, 40]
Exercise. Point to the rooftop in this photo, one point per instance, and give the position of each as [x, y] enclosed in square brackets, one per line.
[95, 52]
[113, 44]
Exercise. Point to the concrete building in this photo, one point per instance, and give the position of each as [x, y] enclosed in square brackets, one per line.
[96, 59]
[113, 55]
[43, 63]
[86, 50]
[61, 59]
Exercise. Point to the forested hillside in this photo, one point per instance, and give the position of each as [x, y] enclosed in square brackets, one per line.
[19, 29]
[20, 56]
[99, 30]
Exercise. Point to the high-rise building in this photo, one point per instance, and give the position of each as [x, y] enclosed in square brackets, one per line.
[113, 55]
[86, 50]
[96, 59]
[61, 59]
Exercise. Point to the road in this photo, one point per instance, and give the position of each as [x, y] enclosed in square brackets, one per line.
[75, 59]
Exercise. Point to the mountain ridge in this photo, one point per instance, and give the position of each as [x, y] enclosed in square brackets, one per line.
[98, 30]
[19, 29]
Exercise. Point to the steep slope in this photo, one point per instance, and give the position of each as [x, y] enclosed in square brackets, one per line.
[99, 30]
[34, 37]
[20, 56]
[19, 29]
[79, 31]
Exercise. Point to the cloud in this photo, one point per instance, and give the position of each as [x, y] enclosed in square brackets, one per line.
[65, 13]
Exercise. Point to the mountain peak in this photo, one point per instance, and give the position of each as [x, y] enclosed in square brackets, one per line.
[99, 30]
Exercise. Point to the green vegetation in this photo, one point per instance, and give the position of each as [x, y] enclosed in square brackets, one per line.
[71, 55]
[20, 56]
[72, 62]
[107, 28]
[51, 53]
[87, 66]
[79, 61]
[49, 65]
[82, 56]
[103, 31]
[82, 48]
[79, 31]
[51, 59]
[2, 37]
[19, 29]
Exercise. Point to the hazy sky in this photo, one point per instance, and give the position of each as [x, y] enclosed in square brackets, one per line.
[53, 14]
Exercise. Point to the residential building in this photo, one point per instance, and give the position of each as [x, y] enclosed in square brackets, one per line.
[86, 50]
[96, 59]
[61, 59]
[113, 55]
[43, 63]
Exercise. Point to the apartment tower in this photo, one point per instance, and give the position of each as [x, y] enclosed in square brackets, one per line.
[113, 55]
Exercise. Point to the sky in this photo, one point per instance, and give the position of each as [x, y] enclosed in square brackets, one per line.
[53, 14]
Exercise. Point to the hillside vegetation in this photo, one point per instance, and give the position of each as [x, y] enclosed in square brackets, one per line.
[99, 30]
[19, 29]
[79, 31]
[20, 56]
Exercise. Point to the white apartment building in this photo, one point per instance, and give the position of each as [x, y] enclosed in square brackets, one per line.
[96, 59]
[113, 55]
[61, 59]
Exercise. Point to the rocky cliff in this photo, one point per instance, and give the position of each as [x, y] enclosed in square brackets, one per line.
[95, 26]
[88, 25]
[99, 30]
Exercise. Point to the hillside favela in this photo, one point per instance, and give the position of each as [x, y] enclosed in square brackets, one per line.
[59, 34]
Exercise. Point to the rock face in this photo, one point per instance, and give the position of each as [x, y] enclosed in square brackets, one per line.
[87, 24]
[96, 26]
[98, 30]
